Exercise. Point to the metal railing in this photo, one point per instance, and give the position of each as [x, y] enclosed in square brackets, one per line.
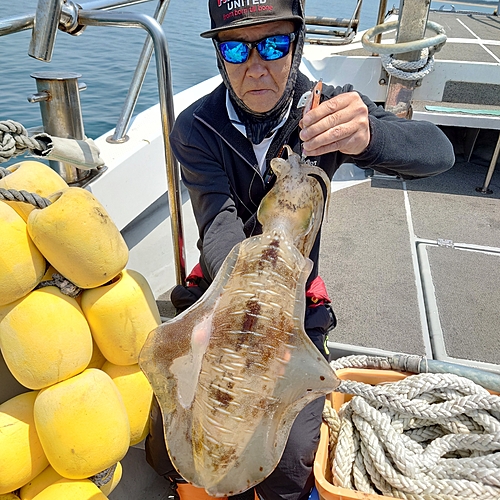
[165, 91]
[69, 17]
[25, 22]
[333, 31]
[123, 123]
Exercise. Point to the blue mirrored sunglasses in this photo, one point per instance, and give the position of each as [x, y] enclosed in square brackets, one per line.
[269, 48]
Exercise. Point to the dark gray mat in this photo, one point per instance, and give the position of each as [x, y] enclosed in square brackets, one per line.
[367, 266]
[447, 206]
[468, 296]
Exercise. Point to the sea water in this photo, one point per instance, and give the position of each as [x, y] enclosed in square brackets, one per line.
[106, 58]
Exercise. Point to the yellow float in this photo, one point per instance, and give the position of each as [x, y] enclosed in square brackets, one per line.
[111, 485]
[97, 359]
[44, 338]
[21, 263]
[82, 424]
[21, 453]
[67, 489]
[34, 177]
[39, 483]
[137, 396]
[78, 238]
[121, 315]
[49, 476]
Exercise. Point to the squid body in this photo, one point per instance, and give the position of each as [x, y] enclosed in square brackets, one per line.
[232, 372]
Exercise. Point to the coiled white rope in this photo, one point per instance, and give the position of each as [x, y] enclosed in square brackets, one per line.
[408, 70]
[429, 436]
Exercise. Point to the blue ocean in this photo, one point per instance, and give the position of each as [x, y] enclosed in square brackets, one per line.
[106, 58]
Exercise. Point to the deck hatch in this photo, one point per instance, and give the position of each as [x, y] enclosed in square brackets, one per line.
[462, 295]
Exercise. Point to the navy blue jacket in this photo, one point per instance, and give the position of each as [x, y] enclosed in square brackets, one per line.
[220, 170]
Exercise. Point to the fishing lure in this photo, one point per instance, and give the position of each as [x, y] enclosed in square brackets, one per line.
[310, 100]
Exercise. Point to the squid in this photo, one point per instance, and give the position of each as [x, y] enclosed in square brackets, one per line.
[233, 371]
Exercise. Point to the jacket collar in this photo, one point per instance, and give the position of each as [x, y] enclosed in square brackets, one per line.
[213, 113]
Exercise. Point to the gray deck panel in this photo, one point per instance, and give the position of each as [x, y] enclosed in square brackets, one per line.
[464, 52]
[485, 26]
[494, 48]
[366, 264]
[151, 486]
[468, 298]
[447, 206]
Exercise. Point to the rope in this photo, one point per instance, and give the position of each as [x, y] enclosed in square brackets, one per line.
[408, 70]
[435, 43]
[4, 172]
[24, 197]
[429, 436]
[103, 477]
[66, 286]
[399, 362]
[14, 140]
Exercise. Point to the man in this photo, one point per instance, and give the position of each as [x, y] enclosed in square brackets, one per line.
[225, 141]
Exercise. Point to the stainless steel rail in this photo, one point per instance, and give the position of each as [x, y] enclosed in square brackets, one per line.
[94, 13]
[25, 22]
[321, 30]
[43, 37]
[119, 134]
[165, 91]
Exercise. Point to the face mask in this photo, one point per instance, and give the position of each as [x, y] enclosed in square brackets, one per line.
[259, 125]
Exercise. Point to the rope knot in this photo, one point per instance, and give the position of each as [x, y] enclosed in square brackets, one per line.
[409, 70]
[103, 477]
[14, 140]
[67, 287]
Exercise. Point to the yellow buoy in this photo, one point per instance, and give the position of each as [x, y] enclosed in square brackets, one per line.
[137, 395]
[39, 483]
[44, 338]
[82, 424]
[49, 476]
[97, 359]
[21, 263]
[21, 453]
[68, 489]
[111, 485]
[77, 236]
[121, 315]
[34, 177]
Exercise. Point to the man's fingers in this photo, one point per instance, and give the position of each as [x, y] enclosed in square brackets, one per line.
[321, 111]
[340, 124]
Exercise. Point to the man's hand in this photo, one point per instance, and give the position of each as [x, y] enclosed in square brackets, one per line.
[339, 124]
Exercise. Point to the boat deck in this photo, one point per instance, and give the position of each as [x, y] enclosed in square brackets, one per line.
[414, 266]
[471, 37]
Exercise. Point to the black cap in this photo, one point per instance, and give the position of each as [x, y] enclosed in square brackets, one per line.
[229, 14]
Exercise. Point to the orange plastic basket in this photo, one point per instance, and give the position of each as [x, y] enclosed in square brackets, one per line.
[189, 492]
[326, 490]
